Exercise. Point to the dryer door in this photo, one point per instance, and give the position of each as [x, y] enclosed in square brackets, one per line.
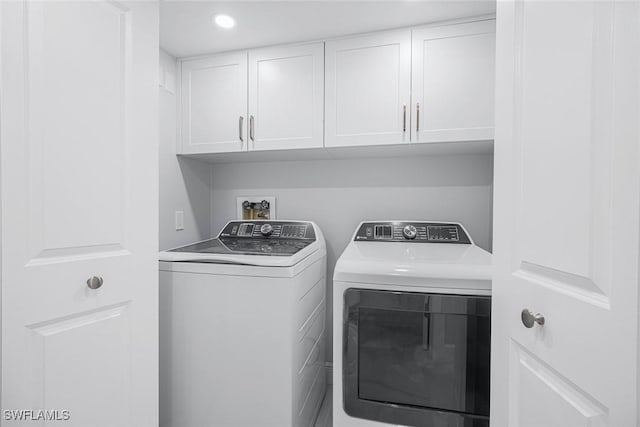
[417, 359]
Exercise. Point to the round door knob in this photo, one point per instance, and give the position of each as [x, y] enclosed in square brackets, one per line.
[529, 319]
[409, 232]
[95, 282]
[266, 229]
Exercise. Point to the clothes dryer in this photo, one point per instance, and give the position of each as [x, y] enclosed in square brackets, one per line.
[412, 322]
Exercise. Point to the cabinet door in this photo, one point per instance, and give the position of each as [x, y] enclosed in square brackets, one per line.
[367, 91]
[214, 104]
[452, 82]
[286, 97]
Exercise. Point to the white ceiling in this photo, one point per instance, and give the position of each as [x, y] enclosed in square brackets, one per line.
[186, 28]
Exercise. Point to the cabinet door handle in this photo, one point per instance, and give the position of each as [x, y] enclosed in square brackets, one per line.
[251, 135]
[417, 117]
[240, 126]
[404, 118]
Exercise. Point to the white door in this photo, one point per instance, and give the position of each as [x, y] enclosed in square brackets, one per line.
[566, 223]
[213, 99]
[79, 192]
[368, 89]
[286, 97]
[453, 72]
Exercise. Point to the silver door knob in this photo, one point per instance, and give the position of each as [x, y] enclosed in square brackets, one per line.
[529, 319]
[95, 282]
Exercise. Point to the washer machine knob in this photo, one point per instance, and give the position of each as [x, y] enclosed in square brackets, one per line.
[266, 229]
[409, 232]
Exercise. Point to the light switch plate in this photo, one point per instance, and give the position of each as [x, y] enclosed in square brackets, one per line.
[179, 220]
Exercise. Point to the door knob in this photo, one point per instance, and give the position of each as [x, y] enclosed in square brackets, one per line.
[95, 282]
[529, 319]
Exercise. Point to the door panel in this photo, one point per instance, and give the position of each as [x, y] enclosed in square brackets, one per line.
[579, 198]
[214, 104]
[90, 121]
[453, 72]
[368, 89]
[78, 121]
[56, 353]
[547, 398]
[286, 97]
[566, 214]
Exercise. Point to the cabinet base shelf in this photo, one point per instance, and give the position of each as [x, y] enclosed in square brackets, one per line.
[398, 150]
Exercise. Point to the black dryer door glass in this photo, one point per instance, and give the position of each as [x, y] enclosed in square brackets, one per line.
[411, 357]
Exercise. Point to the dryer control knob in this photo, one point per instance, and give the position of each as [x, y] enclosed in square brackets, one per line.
[266, 229]
[409, 232]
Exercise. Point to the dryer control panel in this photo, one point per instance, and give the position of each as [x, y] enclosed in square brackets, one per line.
[412, 231]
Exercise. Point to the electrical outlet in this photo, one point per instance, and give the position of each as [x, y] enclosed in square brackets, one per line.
[179, 220]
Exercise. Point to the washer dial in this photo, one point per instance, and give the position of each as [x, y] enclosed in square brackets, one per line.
[266, 229]
[409, 232]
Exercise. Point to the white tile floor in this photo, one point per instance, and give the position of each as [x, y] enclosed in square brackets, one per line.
[325, 417]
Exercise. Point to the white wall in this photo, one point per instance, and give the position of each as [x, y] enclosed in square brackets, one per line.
[338, 194]
[184, 183]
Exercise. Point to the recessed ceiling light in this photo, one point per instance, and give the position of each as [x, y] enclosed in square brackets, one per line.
[224, 21]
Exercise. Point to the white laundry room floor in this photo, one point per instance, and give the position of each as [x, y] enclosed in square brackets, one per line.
[325, 418]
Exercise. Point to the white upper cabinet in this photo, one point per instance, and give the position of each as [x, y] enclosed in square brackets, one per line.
[428, 84]
[214, 104]
[453, 69]
[286, 97]
[368, 89]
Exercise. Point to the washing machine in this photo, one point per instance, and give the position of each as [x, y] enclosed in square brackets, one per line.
[242, 320]
[412, 322]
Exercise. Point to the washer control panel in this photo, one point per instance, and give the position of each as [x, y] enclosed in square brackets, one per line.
[289, 230]
[412, 231]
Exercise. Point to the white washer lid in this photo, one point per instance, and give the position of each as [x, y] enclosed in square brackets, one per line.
[227, 255]
[413, 264]
[242, 259]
